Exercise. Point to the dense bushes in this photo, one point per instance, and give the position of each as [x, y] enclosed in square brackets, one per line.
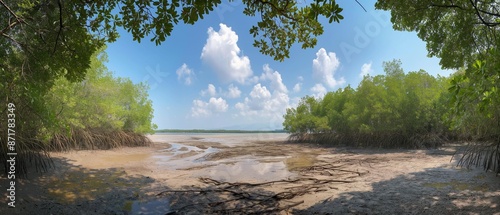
[99, 112]
[391, 110]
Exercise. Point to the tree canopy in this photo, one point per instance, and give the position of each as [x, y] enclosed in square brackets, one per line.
[465, 36]
[45, 32]
[455, 31]
[395, 104]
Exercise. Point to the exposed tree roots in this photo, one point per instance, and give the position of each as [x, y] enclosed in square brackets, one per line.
[220, 197]
[485, 154]
[35, 153]
[83, 139]
[374, 140]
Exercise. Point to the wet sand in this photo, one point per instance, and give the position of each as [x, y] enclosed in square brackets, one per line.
[127, 180]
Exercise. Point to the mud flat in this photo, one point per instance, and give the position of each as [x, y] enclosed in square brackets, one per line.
[240, 173]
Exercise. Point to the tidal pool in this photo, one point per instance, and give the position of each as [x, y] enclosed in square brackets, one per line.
[234, 169]
[248, 170]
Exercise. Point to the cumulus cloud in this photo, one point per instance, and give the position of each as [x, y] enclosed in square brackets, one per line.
[274, 77]
[318, 91]
[324, 67]
[214, 105]
[262, 102]
[210, 91]
[366, 69]
[185, 73]
[260, 92]
[266, 101]
[222, 53]
[233, 92]
[297, 87]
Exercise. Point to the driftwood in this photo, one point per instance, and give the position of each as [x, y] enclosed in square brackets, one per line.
[221, 197]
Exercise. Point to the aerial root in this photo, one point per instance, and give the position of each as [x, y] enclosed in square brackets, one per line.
[222, 197]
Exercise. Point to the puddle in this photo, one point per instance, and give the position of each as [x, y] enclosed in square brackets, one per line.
[177, 148]
[300, 161]
[180, 156]
[248, 170]
[161, 206]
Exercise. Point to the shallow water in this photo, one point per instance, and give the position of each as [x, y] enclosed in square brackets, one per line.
[247, 170]
[180, 156]
[224, 139]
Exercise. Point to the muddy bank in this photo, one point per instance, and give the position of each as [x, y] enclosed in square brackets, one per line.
[333, 180]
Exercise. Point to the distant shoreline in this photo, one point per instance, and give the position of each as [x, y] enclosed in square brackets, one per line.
[218, 131]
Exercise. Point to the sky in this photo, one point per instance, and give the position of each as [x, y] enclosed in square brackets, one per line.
[209, 76]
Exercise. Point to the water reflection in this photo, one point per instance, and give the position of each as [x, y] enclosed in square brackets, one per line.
[248, 170]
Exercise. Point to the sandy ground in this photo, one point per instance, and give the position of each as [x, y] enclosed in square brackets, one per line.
[353, 181]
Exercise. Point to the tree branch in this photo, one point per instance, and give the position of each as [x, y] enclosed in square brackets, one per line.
[489, 24]
[476, 10]
[60, 26]
[11, 25]
[361, 5]
[281, 11]
[10, 11]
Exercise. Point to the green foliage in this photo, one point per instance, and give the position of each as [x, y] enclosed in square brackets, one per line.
[100, 101]
[73, 30]
[476, 100]
[469, 26]
[470, 45]
[285, 23]
[306, 118]
[395, 103]
[464, 34]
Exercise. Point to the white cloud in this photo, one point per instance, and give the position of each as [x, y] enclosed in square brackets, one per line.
[297, 87]
[210, 91]
[366, 69]
[324, 67]
[214, 105]
[264, 104]
[260, 92]
[233, 92]
[223, 54]
[184, 72]
[318, 91]
[275, 78]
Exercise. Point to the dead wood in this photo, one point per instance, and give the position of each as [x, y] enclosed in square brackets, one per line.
[222, 197]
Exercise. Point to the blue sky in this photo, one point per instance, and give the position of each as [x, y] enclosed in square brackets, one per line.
[209, 76]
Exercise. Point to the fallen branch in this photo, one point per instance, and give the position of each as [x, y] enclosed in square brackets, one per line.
[256, 198]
